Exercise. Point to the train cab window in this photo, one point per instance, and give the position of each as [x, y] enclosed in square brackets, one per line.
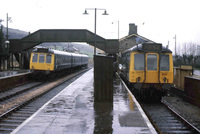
[152, 62]
[139, 61]
[41, 58]
[164, 63]
[48, 59]
[35, 58]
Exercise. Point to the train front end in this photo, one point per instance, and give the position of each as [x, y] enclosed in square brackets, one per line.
[151, 65]
[148, 67]
[42, 61]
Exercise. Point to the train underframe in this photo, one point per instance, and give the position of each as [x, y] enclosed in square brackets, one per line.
[43, 75]
[150, 92]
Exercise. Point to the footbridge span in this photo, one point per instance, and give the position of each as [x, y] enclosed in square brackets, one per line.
[110, 46]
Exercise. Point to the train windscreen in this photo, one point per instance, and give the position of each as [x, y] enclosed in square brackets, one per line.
[35, 58]
[48, 59]
[164, 63]
[139, 61]
[152, 62]
[41, 58]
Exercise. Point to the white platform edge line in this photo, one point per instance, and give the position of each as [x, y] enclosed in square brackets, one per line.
[152, 129]
[31, 117]
[20, 74]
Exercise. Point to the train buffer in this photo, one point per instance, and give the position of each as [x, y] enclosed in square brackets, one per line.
[73, 110]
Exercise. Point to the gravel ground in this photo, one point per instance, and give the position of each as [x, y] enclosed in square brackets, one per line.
[188, 111]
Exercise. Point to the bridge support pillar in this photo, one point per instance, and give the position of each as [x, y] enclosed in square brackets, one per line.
[0, 63]
[12, 61]
[21, 60]
[8, 62]
[4, 67]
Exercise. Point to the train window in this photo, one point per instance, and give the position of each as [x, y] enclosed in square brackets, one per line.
[35, 58]
[164, 63]
[48, 59]
[151, 62]
[139, 61]
[41, 58]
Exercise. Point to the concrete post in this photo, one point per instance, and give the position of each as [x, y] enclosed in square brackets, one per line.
[103, 78]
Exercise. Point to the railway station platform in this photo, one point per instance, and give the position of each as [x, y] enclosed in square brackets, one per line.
[73, 110]
[9, 79]
[5, 74]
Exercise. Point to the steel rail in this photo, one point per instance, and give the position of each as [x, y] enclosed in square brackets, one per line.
[184, 120]
[19, 92]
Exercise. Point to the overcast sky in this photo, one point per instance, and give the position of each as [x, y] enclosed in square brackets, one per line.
[157, 20]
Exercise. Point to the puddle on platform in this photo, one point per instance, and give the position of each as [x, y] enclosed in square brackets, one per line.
[108, 115]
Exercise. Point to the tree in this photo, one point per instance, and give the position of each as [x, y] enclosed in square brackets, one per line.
[184, 58]
[190, 58]
[190, 53]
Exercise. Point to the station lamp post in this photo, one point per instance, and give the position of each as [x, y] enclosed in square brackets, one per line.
[1, 32]
[95, 23]
[8, 20]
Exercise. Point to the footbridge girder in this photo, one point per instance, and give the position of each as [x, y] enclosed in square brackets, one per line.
[110, 46]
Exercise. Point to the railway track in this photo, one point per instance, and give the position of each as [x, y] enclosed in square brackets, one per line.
[165, 120]
[17, 114]
[8, 94]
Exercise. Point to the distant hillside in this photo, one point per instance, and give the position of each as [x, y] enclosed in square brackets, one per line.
[15, 33]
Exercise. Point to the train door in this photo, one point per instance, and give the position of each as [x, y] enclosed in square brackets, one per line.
[137, 68]
[166, 68]
[126, 64]
[152, 68]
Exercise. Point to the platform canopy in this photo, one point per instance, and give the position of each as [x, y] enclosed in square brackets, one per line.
[110, 46]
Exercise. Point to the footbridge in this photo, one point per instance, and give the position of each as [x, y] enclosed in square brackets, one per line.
[110, 46]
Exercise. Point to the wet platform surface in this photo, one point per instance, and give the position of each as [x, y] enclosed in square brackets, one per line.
[5, 74]
[74, 111]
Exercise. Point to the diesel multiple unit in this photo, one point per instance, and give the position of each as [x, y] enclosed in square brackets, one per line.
[148, 67]
[46, 60]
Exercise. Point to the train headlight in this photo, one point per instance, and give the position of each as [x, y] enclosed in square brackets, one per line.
[165, 79]
[138, 79]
